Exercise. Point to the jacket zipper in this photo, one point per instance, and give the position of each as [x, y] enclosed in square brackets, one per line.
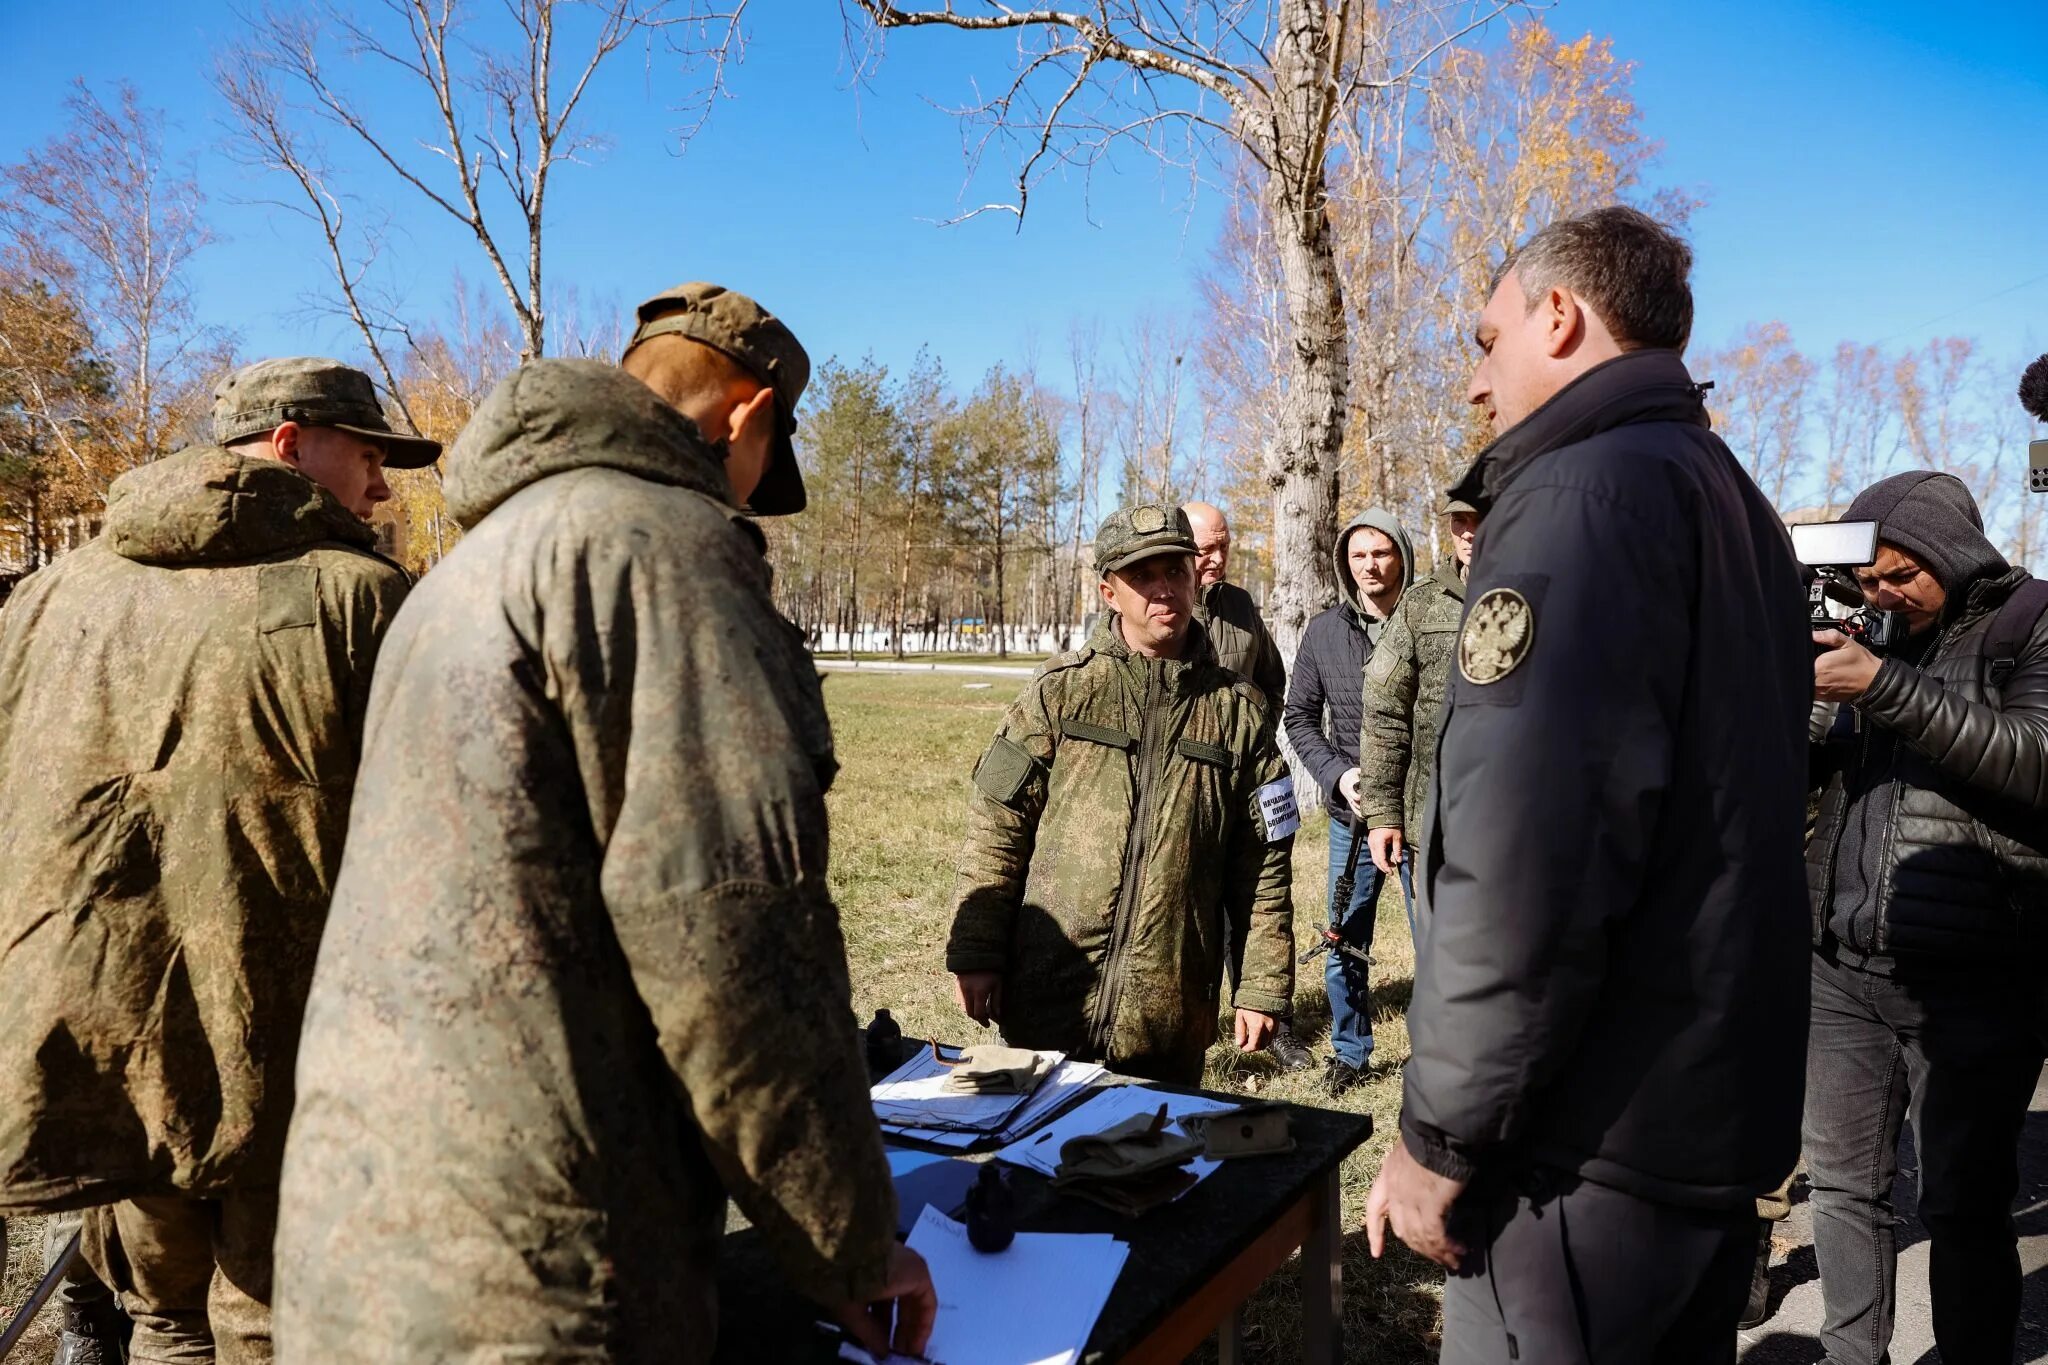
[1109, 997]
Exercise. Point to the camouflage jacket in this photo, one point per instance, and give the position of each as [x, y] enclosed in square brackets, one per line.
[181, 706]
[1404, 696]
[1238, 635]
[1114, 827]
[582, 979]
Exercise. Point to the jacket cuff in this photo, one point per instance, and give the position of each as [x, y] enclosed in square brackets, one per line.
[1433, 1151]
[1380, 816]
[960, 960]
[1895, 682]
[1263, 1003]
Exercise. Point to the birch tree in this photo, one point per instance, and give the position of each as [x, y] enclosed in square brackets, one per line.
[105, 216]
[493, 112]
[1189, 82]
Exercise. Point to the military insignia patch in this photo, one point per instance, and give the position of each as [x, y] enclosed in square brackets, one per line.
[1147, 519]
[1499, 630]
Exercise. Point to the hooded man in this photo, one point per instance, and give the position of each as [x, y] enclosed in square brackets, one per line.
[1374, 565]
[181, 710]
[1404, 694]
[1132, 804]
[1928, 873]
[584, 980]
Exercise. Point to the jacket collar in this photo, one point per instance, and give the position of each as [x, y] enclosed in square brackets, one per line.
[1108, 639]
[1639, 386]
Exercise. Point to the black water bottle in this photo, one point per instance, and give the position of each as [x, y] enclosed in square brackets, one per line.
[885, 1045]
[991, 1211]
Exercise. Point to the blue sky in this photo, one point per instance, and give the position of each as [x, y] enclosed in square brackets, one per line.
[1872, 171]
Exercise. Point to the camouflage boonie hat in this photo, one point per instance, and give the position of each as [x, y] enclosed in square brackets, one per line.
[1140, 531]
[1451, 505]
[315, 392]
[757, 339]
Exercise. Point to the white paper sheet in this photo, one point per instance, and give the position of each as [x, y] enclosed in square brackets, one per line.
[1032, 1304]
[1104, 1110]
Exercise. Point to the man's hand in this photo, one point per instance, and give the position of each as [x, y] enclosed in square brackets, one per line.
[1417, 1201]
[1254, 1030]
[1386, 848]
[907, 1298]
[1347, 787]
[1846, 671]
[981, 995]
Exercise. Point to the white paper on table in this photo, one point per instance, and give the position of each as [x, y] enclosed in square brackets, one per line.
[1067, 1081]
[1033, 1303]
[1105, 1110]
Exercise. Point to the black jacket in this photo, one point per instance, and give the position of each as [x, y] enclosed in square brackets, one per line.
[1329, 667]
[1929, 842]
[1614, 980]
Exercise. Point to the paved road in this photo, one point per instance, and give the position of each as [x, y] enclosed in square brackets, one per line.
[1789, 1337]
[890, 666]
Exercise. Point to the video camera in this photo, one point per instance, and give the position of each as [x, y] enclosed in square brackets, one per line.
[1833, 550]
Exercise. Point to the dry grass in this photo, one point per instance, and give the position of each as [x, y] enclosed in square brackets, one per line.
[908, 743]
[24, 1269]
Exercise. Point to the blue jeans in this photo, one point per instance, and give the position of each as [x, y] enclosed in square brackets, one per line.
[1344, 976]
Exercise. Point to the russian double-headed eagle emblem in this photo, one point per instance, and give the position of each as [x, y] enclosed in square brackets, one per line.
[1498, 632]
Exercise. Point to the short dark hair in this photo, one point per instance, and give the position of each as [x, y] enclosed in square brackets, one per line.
[1628, 267]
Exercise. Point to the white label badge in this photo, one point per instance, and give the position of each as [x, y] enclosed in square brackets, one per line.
[1276, 805]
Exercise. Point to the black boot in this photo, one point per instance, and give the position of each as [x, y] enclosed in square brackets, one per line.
[93, 1335]
[1291, 1055]
[1758, 1310]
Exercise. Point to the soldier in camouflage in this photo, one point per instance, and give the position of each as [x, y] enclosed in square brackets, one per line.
[1132, 805]
[181, 710]
[583, 981]
[1404, 694]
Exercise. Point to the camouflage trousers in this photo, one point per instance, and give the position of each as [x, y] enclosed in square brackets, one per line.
[193, 1274]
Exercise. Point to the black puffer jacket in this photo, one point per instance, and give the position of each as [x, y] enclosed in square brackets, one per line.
[1951, 776]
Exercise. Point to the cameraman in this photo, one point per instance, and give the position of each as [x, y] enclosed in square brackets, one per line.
[1926, 867]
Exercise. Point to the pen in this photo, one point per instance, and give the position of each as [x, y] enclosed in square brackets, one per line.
[834, 1330]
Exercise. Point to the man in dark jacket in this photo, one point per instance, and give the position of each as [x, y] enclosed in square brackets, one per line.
[1610, 1001]
[1375, 564]
[1926, 868]
[1227, 613]
[181, 710]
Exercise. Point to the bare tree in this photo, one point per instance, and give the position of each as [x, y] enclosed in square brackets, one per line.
[104, 215]
[495, 122]
[1184, 80]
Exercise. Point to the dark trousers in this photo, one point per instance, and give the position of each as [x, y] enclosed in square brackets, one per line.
[1567, 1272]
[1345, 978]
[1954, 1054]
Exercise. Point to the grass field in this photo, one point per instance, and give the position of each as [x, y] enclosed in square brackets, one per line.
[908, 744]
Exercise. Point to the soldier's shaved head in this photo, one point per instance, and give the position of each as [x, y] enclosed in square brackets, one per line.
[1212, 540]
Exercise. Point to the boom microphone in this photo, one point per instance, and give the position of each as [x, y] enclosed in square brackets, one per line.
[2034, 389]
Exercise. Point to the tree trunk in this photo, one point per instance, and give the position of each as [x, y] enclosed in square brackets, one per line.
[1302, 469]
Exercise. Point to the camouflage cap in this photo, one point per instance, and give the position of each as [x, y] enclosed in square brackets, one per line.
[1451, 505]
[756, 338]
[1140, 531]
[315, 392]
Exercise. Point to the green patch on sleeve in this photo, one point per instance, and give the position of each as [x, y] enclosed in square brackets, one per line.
[1003, 770]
